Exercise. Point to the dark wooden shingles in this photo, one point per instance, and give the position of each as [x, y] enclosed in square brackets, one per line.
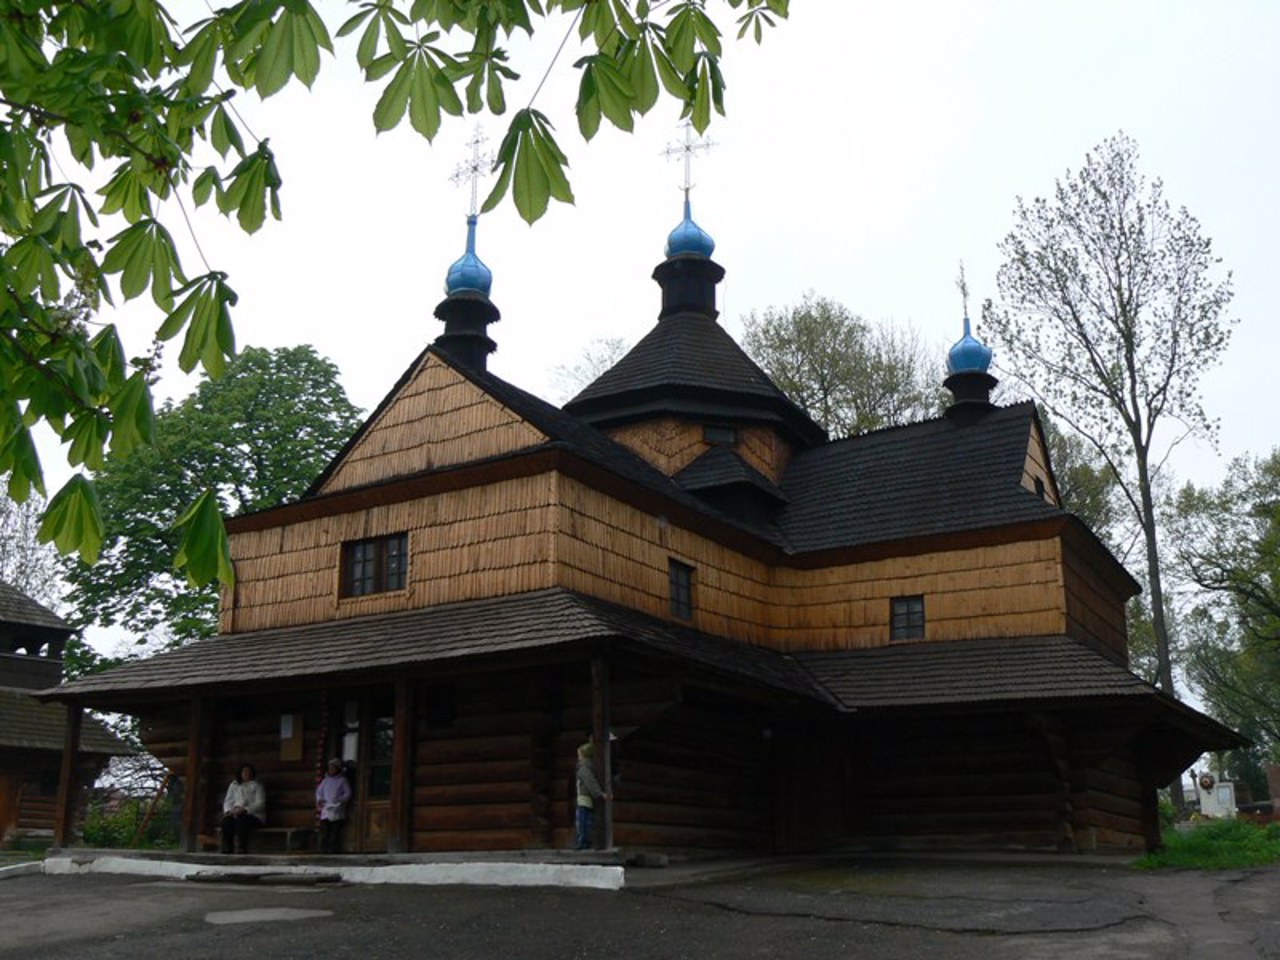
[929, 478]
[28, 724]
[543, 618]
[17, 607]
[966, 671]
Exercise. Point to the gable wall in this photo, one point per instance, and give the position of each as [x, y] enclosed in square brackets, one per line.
[438, 419]
[671, 445]
[481, 542]
[1037, 468]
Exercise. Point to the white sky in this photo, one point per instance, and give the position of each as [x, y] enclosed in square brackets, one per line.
[868, 148]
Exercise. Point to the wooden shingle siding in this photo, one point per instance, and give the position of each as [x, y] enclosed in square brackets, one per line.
[483, 541]
[438, 419]
[1094, 610]
[671, 445]
[1008, 590]
[667, 443]
[616, 552]
[1037, 468]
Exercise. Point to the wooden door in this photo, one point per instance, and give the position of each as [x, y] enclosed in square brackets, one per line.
[367, 739]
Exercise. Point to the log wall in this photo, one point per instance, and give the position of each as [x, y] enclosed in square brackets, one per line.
[438, 419]
[466, 544]
[699, 776]
[247, 730]
[977, 781]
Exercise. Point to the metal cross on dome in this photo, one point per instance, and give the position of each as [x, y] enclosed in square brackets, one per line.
[474, 169]
[692, 144]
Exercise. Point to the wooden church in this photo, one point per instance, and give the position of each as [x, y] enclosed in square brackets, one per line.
[897, 640]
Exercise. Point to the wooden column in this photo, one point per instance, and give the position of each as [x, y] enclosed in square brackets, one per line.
[600, 735]
[64, 824]
[193, 770]
[400, 815]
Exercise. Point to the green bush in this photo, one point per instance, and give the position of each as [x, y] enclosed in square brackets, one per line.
[118, 825]
[1218, 845]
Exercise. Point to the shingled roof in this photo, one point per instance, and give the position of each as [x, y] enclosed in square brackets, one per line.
[28, 724]
[17, 607]
[935, 477]
[528, 621]
[689, 365]
[993, 671]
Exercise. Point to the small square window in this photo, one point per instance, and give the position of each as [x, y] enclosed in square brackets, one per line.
[906, 618]
[681, 582]
[721, 436]
[378, 565]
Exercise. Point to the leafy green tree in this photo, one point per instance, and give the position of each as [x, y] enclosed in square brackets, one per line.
[848, 375]
[258, 436]
[126, 89]
[1110, 313]
[1227, 541]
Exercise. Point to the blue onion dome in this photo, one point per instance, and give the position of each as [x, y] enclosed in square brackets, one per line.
[969, 355]
[688, 237]
[468, 273]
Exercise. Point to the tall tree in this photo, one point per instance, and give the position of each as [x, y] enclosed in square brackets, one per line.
[25, 563]
[258, 436]
[130, 87]
[1227, 541]
[848, 375]
[1109, 313]
[596, 357]
[1085, 484]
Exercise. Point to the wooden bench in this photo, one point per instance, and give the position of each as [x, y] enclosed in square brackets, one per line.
[296, 839]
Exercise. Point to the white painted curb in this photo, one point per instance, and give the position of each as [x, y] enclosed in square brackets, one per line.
[584, 876]
[21, 869]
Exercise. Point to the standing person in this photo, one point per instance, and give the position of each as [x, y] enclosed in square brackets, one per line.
[589, 791]
[332, 794]
[244, 809]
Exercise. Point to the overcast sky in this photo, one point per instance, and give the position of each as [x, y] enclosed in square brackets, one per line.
[868, 148]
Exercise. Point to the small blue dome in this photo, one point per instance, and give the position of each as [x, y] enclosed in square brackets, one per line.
[468, 272]
[688, 237]
[969, 355]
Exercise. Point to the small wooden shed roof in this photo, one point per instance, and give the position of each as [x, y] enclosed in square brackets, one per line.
[28, 724]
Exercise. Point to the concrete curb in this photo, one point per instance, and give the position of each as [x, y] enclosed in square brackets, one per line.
[496, 874]
[21, 869]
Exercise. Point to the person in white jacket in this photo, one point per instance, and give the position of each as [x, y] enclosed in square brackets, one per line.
[332, 794]
[244, 809]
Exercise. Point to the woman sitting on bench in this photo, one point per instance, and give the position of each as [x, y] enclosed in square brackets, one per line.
[244, 809]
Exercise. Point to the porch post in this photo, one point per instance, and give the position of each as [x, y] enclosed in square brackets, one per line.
[64, 824]
[193, 771]
[600, 735]
[400, 815]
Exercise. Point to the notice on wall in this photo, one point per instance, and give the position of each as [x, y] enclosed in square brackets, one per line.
[290, 736]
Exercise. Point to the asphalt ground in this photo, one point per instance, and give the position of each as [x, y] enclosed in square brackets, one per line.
[814, 910]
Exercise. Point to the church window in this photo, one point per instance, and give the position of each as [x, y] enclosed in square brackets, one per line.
[906, 618]
[681, 580]
[377, 565]
[720, 436]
